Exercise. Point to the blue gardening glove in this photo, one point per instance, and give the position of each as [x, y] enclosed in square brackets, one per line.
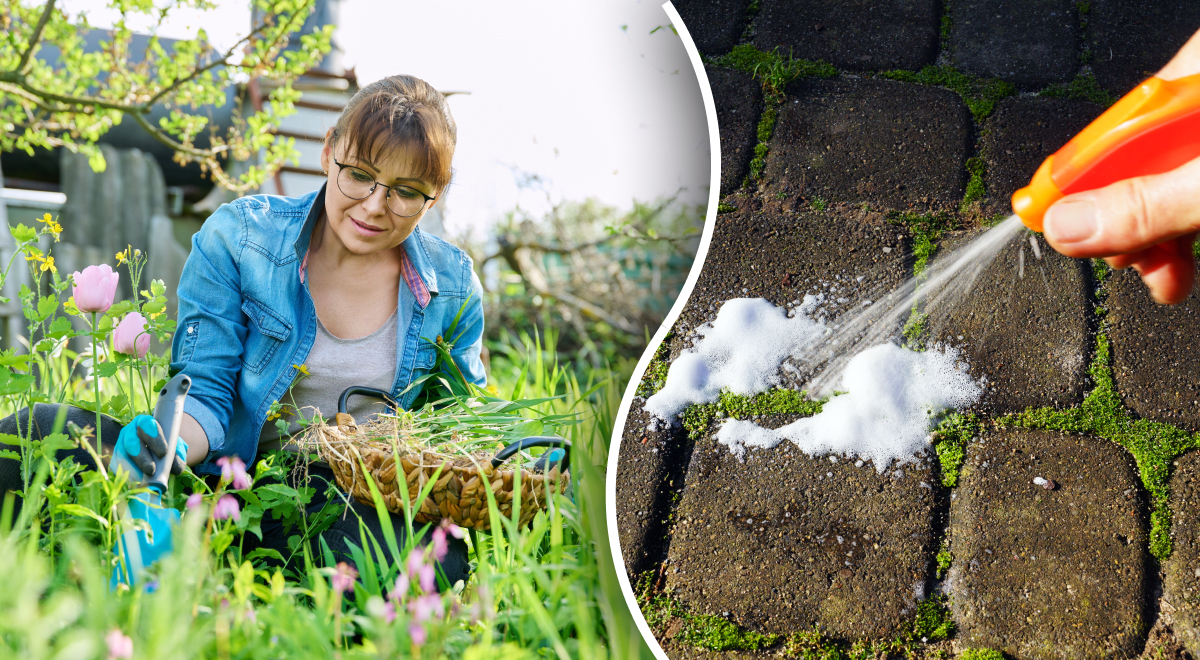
[142, 440]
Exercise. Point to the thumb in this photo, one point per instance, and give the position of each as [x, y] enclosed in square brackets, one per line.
[1127, 216]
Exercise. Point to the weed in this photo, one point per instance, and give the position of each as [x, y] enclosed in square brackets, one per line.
[944, 559]
[980, 94]
[698, 416]
[947, 25]
[950, 439]
[981, 654]
[975, 190]
[656, 371]
[811, 645]
[726, 208]
[819, 203]
[1083, 88]
[703, 630]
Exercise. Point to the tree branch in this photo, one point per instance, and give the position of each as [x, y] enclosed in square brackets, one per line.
[35, 38]
[155, 133]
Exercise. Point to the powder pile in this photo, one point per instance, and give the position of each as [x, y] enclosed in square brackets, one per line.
[890, 393]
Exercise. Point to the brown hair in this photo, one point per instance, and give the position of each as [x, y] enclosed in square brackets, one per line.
[400, 114]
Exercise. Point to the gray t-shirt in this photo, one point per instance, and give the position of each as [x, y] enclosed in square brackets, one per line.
[335, 364]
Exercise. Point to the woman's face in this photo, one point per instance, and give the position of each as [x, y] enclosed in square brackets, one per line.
[365, 226]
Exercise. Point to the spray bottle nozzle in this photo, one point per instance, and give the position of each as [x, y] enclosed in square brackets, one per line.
[1151, 130]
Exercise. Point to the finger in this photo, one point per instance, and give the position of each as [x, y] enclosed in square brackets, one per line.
[177, 466]
[1169, 271]
[156, 442]
[144, 462]
[1123, 261]
[1128, 216]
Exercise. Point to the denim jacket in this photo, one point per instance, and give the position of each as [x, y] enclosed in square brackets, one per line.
[247, 319]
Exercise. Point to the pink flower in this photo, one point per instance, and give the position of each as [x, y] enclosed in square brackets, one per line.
[343, 579]
[401, 589]
[389, 611]
[131, 337]
[119, 646]
[440, 546]
[233, 470]
[426, 577]
[94, 288]
[227, 507]
[425, 607]
[415, 561]
[454, 530]
[417, 632]
[194, 500]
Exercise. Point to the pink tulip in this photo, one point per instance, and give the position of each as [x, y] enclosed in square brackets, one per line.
[227, 507]
[343, 579]
[119, 646]
[94, 288]
[131, 337]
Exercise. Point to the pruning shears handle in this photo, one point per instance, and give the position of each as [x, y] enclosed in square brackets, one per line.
[168, 412]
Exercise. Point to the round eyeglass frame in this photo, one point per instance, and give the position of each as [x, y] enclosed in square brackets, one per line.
[376, 184]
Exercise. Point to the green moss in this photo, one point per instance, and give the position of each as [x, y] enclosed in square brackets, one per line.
[702, 630]
[914, 329]
[1084, 6]
[943, 559]
[950, 439]
[820, 204]
[811, 645]
[775, 72]
[933, 621]
[980, 94]
[975, 189]
[1196, 249]
[697, 417]
[947, 25]
[726, 208]
[656, 371]
[981, 654]
[1083, 88]
[1154, 445]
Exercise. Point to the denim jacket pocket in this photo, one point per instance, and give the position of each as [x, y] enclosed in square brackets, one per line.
[267, 331]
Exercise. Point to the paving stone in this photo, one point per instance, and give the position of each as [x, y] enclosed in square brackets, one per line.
[1156, 367]
[1030, 43]
[878, 141]
[739, 102]
[1181, 586]
[715, 25]
[1041, 573]
[1030, 336]
[1131, 40]
[784, 541]
[647, 466]
[1023, 132]
[783, 255]
[863, 35]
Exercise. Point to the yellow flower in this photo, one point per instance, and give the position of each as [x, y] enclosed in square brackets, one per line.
[302, 368]
[48, 265]
[52, 226]
[273, 416]
[121, 257]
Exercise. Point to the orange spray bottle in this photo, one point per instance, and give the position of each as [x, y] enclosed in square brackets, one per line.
[1151, 130]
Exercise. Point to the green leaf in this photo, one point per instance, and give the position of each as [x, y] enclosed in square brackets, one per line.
[12, 383]
[154, 306]
[10, 359]
[23, 234]
[157, 288]
[8, 453]
[81, 511]
[59, 329]
[119, 309]
[107, 369]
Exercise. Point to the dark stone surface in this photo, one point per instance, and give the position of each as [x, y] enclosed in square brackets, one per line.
[1131, 40]
[1181, 586]
[878, 141]
[1030, 43]
[863, 35]
[1029, 336]
[739, 102]
[1023, 132]
[784, 541]
[1043, 573]
[785, 254]
[1156, 366]
[647, 468]
[715, 25]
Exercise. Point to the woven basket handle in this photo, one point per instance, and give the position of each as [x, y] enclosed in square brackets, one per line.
[366, 391]
[535, 441]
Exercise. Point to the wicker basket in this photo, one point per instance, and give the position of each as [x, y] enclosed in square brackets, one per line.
[460, 492]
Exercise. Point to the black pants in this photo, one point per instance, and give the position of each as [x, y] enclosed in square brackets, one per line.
[344, 530]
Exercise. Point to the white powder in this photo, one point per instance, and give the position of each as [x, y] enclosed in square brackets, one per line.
[740, 351]
[891, 393]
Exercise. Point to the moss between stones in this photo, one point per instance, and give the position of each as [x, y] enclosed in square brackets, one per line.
[697, 417]
[926, 230]
[932, 624]
[975, 190]
[980, 94]
[950, 440]
[1083, 88]
[1154, 445]
[943, 559]
[981, 654]
[656, 371]
[726, 208]
[775, 72]
[703, 630]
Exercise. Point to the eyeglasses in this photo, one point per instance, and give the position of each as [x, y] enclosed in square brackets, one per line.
[357, 183]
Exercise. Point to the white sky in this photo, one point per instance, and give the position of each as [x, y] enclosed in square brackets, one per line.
[560, 90]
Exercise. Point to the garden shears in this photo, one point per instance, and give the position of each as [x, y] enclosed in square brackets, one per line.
[139, 547]
[1151, 130]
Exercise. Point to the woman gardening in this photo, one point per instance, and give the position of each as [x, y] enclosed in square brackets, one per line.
[297, 298]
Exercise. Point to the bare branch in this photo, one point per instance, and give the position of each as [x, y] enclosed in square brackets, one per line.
[35, 38]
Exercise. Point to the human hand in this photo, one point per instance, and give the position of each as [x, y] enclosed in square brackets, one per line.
[142, 440]
[1149, 223]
